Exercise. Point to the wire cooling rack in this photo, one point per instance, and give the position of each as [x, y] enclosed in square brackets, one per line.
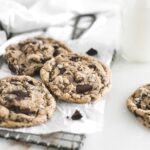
[58, 140]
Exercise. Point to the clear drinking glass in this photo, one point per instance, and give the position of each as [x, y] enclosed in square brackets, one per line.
[135, 30]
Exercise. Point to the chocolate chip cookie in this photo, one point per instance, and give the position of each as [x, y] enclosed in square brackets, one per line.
[24, 102]
[76, 78]
[139, 104]
[28, 56]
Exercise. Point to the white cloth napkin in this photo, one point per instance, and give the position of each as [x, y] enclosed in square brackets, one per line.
[17, 18]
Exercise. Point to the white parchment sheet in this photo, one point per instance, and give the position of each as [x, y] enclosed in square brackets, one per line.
[92, 113]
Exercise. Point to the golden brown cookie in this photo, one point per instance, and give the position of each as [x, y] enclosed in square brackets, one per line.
[76, 78]
[24, 102]
[139, 104]
[28, 56]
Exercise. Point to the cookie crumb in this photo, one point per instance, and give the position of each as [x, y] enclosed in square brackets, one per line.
[92, 52]
[76, 116]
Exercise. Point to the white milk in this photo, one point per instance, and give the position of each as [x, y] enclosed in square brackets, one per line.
[135, 30]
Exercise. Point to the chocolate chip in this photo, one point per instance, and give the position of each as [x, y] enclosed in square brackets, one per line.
[14, 80]
[12, 68]
[34, 60]
[20, 71]
[56, 53]
[44, 48]
[92, 52]
[74, 58]
[83, 88]
[76, 116]
[31, 82]
[135, 114]
[55, 47]
[20, 95]
[23, 65]
[144, 96]
[43, 61]
[147, 107]
[138, 103]
[21, 45]
[33, 42]
[37, 72]
[62, 70]
[92, 66]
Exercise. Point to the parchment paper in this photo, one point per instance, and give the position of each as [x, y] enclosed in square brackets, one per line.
[92, 113]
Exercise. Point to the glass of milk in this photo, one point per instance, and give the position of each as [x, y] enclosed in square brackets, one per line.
[135, 30]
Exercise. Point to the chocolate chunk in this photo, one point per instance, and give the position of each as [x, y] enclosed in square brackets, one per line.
[17, 109]
[76, 116]
[92, 52]
[92, 66]
[83, 88]
[12, 68]
[74, 58]
[62, 70]
[20, 95]
[56, 53]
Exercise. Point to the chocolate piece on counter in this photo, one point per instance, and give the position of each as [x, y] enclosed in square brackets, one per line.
[92, 52]
[76, 116]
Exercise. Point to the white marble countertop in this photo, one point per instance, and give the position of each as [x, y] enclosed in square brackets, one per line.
[121, 130]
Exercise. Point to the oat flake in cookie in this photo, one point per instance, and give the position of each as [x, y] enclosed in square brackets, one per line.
[76, 78]
[28, 56]
[139, 104]
[24, 102]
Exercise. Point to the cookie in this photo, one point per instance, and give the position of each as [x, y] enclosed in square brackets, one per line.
[139, 104]
[28, 56]
[76, 78]
[24, 102]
